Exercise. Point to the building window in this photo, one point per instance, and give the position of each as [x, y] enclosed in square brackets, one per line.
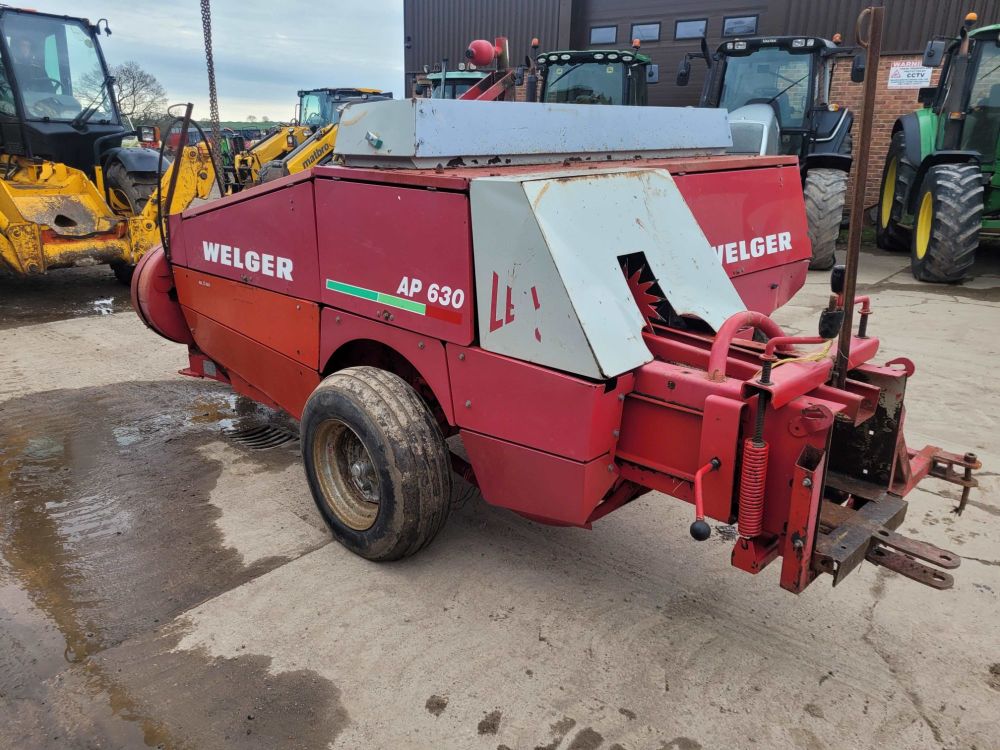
[603, 34]
[694, 29]
[739, 26]
[646, 32]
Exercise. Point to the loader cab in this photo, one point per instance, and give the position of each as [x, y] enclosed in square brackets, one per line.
[595, 76]
[790, 75]
[56, 96]
[972, 88]
[320, 107]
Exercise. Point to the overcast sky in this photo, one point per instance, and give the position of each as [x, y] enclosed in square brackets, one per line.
[265, 50]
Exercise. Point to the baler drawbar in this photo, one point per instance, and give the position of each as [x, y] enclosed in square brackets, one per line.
[571, 323]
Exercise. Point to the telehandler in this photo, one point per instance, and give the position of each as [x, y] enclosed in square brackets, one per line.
[300, 145]
[317, 148]
[70, 194]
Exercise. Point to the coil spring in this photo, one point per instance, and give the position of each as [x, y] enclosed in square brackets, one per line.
[751, 511]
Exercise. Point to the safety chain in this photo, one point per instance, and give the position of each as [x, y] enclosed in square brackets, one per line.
[213, 98]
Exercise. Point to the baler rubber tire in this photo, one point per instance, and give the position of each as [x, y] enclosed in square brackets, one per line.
[956, 195]
[824, 192]
[895, 237]
[406, 448]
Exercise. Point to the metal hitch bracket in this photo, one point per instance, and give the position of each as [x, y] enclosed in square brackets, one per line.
[848, 536]
[943, 466]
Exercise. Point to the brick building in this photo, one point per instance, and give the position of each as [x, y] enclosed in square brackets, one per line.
[436, 29]
[889, 105]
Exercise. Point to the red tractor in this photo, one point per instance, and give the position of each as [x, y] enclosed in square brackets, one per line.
[580, 298]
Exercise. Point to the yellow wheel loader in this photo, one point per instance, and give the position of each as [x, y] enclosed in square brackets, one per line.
[70, 194]
[296, 147]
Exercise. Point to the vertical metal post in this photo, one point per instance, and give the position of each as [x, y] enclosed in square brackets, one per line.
[444, 78]
[174, 174]
[873, 47]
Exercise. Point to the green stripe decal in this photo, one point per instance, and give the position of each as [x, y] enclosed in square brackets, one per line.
[370, 294]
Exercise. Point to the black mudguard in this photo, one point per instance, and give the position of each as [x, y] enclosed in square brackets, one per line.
[825, 161]
[910, 126]
[832, 129]
[134, 159]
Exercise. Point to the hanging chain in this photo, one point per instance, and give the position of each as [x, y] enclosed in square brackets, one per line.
[213, 98]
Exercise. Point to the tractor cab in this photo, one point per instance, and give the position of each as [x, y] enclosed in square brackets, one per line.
[970, 85]
[320, 107]
[595, 76]
[56, 97]
[777, 91]
[456, 83]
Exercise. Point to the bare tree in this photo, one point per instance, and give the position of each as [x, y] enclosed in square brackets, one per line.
[251, 118]
[140, 95]
[265, 118]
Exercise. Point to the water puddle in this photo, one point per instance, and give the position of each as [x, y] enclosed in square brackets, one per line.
[61, 294]
[106, 532]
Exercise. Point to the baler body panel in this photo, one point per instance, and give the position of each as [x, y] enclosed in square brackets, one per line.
[288, 325]
[397, 254]
[754, 220]
[268, 242]
[539, 485]
[534, 406]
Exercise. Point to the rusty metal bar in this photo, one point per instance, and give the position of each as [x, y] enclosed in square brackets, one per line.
[848, 536]
[873, 46]
[164, 219]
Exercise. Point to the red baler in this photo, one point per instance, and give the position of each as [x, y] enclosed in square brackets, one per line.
[581, 295]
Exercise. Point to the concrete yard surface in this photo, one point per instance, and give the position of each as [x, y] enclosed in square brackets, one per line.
[164, 584]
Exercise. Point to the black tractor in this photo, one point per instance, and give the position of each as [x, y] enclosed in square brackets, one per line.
[777, 92]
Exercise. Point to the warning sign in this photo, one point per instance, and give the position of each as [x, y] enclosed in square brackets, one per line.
[909, 74]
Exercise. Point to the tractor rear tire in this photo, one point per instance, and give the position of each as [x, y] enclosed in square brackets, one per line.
[132, 190]
[946, 227]
[897, 177]
[824, 192]
[376, 463]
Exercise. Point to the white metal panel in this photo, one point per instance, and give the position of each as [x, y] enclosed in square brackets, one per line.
[448, 132]
[507, 242]
[555, 241]
[589, 217]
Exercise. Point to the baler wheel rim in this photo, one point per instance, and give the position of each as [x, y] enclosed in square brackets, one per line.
[346, 475]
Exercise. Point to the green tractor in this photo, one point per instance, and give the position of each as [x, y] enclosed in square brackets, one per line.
[940, 185]
[594, 76]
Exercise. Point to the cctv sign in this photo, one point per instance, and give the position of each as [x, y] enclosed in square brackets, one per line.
[909, 74]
